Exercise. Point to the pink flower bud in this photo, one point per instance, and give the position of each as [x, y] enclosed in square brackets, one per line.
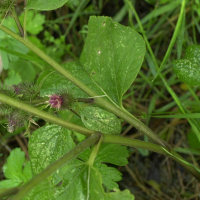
[56, 101]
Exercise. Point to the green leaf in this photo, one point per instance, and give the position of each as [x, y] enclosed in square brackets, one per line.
[110, 176]
[108, 153]
[20, 55]
[188, 69]
[46, 145]
[98, 119]
[25, 70]
[15, 170]
[86, 183]
[113, 70]
[113, 154]
[45, 4]
[42, 191]
[5, 184]
[11, 45]
[112, 56]
[193, 140]
[4, 60]
[56, 82]
[13, 167]
[13, 78]
[78, 180]
[34, 22]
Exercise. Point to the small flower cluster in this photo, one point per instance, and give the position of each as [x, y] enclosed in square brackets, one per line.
[16, 119]
[23, 91]
[27, 90]
[63, 100]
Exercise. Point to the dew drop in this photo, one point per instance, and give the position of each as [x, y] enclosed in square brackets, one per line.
[104, 23]
[99, 52]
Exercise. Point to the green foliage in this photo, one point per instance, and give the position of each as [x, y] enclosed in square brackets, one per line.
[55, 82]
[34, 22]
[17, 171]
[47, 144]
[77, 178]
[10, 43]
[97, 119]
[187, 69]
[108, 65]
[112, 56]
[45, 4]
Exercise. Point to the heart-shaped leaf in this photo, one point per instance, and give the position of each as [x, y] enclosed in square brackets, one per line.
[112, 56]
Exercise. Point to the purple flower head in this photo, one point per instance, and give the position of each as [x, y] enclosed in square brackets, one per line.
[56, 101]
[11, 125]
[16, 89]
[62, 100]
[16, 119]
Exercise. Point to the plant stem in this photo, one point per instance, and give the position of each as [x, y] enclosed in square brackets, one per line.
[56, 165]
[45, 115]
[41, 100]
[99, 101]
[95, 152]
[86, 100]
[17, 21]
[24, 21]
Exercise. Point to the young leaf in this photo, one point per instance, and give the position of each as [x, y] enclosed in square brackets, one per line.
[187, 69]
[98, 119]
[34, 22]
[14, 170]
[112, 56]
[108, 153]
[109, 175]
[45, 4]
[96, 189]
[113, 154]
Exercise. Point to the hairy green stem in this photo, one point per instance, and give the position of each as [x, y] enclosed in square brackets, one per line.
[45, 115]
[41, 100]
[56, 165]
[99, 101]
